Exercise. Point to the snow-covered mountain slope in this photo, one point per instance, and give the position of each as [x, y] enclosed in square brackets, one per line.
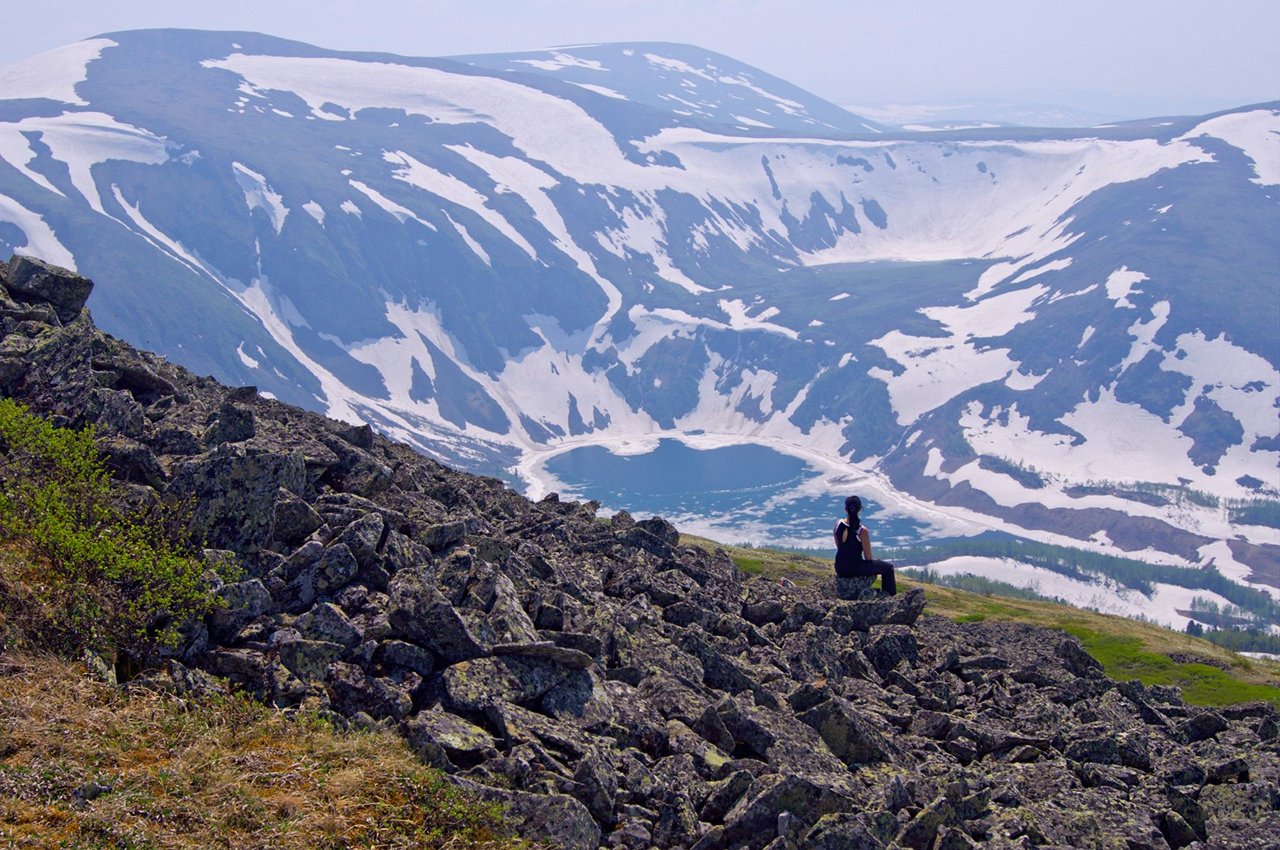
[1071, 334]
[692, 85]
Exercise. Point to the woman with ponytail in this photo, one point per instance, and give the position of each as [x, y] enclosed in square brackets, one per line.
[853, 549]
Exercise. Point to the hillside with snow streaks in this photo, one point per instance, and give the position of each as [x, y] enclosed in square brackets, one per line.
[496, 258]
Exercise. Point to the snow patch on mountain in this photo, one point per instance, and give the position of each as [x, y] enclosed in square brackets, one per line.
[543, 126]
[80, 140]
[259, 195]
[1256, 132]
[1121, 283]
[41, 241]
[937, 368]
[1106, 596]
[402, 213]
[53, 74]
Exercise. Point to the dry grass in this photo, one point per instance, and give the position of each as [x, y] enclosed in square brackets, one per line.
[223, 774]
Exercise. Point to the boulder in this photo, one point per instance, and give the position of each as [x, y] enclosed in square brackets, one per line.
[890, 646]
[420, 613]
[901, 610]
[234, 493]
[555, 819]
[33, 280]
[328, 622]
[363, 537]
[447, 741]
[1202, 726]
[753, 821]
[472, 685]
[241, 604]
[850, 734]
[410, 656]
[309, 660]
[846, 831]
[233, 424]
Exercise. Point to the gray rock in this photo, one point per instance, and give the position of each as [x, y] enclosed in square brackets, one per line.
[34, 280]
[724, 795]
[309, 660]
[293, 518]
[328, 622]
[336, 567]
[363, 537]
[1177, 831]
[351, 690]
[437, 537]
[234, 491]
[841, 831]
[890, 646]
[546, 651]
[1077, 660]
[1202, 726]
[753, 821]
[920, 832]
[597, 777]
[410, 656]
[234, 425]
[558, 820]
[447, 741]
[420, 613]
[242, 603]
[475, 684]
[850, 734]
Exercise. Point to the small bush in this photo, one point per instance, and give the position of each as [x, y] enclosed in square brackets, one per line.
[98, 574]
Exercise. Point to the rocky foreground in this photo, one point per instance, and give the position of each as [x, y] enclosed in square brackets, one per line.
[611, 687]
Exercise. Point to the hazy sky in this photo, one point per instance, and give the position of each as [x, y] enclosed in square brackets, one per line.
[1153, 55]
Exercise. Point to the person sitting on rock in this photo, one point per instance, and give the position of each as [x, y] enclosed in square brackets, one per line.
[853, 549]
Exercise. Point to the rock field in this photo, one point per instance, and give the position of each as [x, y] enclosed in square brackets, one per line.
[614, 688]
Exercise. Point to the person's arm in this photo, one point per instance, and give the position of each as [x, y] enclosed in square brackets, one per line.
[866, 543]
[835, 532]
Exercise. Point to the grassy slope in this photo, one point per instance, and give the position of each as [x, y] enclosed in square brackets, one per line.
[220, 773]
[1128, 649]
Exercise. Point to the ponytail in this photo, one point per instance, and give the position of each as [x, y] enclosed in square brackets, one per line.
[853, 507]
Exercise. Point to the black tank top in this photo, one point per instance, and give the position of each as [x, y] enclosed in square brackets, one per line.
[848, 550]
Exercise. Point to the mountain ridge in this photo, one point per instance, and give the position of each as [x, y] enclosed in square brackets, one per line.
[491, 265]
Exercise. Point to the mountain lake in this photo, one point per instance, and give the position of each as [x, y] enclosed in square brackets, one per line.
[746, 493]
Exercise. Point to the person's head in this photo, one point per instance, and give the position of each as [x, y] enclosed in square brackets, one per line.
[852, 507]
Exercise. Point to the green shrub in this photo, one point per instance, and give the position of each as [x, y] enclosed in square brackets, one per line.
[97, 573]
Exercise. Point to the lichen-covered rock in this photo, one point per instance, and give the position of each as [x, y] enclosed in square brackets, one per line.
[447, 741]
[241, 604]
[850, 734]
[35, 281]
[234, 492]
[753, 821]
[556, 819]
[419, 612]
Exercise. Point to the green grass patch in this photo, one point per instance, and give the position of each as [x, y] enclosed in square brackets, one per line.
[971, 618]
[100, 573]
[1125, 657]
[750, 566]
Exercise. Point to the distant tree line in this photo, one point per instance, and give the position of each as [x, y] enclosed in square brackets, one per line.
[979, 584]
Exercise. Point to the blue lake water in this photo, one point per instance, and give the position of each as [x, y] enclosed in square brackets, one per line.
[735, 494]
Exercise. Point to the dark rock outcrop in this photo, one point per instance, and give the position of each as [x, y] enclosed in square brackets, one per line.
[608, 685]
